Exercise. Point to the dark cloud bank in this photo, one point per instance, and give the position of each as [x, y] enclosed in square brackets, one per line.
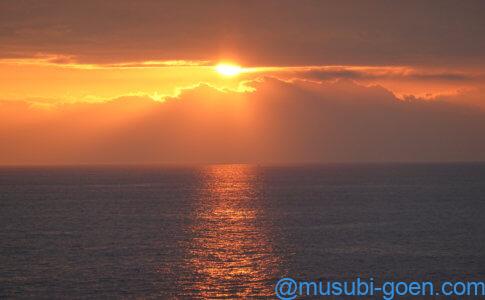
[279, 32]
[280, 122]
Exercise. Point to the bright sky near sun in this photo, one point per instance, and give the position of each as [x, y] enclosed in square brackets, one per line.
[42, 80]
[57, 82]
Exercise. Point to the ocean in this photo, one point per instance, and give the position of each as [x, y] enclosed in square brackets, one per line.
[231, 231]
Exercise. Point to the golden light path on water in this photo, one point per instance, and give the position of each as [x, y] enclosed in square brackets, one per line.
[231, 253]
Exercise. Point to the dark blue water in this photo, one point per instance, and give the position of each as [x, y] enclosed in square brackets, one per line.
[233, 230]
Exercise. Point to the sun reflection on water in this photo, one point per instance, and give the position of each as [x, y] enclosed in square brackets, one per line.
[230, 254]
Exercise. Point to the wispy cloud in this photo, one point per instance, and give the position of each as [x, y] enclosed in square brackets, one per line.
[69, 61]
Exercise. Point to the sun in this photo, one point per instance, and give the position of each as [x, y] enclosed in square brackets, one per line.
[228, 69]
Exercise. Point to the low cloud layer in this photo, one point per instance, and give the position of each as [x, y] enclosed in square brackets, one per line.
[279, 122]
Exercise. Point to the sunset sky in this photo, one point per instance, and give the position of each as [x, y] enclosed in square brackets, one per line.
[241, 81]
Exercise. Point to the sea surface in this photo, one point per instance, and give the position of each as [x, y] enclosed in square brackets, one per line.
[231, 231]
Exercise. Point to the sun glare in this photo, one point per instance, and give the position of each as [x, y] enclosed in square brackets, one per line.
[228, 69]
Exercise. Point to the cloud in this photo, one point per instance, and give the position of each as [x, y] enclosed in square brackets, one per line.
[381, 73]
[277, 122]
[472, 97]
[457, 86]
[261, 33]
[69, 61]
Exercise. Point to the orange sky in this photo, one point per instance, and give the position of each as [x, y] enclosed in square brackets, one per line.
[74, 77]
[39, 80]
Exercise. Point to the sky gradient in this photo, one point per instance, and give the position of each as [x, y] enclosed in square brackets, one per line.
[320, 81]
